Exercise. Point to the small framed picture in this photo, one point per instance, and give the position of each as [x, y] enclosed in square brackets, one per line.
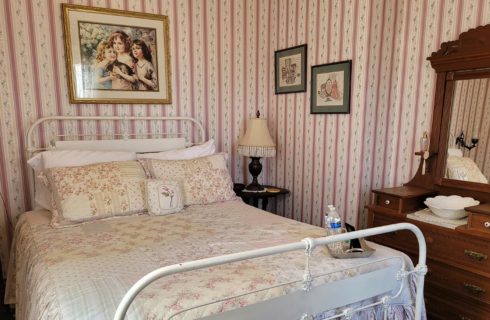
[330, 87]
[116, 56]
[290, 69]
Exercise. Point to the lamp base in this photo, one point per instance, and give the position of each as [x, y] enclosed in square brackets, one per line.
[254, 188]
[255, 167]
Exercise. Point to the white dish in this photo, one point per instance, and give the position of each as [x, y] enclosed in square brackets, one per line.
[450, 207]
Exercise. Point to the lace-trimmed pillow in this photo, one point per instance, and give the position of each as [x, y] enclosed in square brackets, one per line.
[204, 180]
[98, 191]
[163, 197]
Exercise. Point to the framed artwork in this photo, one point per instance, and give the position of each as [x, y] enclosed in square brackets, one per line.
[330, 87]
[290, 69]
[116, 56]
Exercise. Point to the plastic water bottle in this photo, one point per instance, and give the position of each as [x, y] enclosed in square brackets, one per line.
[334, 221]
[333, 224]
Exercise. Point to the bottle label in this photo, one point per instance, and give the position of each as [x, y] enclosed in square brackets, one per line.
[335, 225]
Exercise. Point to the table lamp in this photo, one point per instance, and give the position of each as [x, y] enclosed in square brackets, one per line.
[256, 143]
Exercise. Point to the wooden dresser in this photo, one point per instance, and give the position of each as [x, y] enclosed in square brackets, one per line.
[458, 281]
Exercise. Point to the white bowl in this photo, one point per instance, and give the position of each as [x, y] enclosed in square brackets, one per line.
[450, 207]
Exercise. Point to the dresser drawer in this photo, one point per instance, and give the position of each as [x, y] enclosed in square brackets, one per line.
[401, 199]
[387, 201]
[480, 222]
[460, 282]
[402, 240]
[457, 249]
[444, 306]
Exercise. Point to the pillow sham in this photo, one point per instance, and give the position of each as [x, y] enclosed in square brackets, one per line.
[206, 149]
[67, 158]
[163, 197]
[97, 191]
[204, 180]
[463, 168]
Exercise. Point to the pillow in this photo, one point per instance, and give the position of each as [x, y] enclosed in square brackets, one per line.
[462, 168]
[163, 197]
[67, 158]
[454, 152]
[204, 180]
[96, 191]
[206, 149]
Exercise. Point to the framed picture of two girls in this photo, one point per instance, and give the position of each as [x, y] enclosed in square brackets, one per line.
[115, 56]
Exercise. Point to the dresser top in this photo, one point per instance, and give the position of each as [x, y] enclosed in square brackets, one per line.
[482, 208]
[406, 192]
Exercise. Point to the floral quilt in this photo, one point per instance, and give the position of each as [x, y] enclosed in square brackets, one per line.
[82, 272]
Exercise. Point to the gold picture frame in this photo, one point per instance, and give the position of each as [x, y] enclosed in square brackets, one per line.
[116, 56]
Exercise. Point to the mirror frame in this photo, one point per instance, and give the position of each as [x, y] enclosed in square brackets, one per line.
[465, 58]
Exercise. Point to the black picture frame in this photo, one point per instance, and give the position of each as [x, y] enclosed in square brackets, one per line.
[330, 87]
[288, 77]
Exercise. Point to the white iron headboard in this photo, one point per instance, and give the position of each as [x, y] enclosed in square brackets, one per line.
[123, 140]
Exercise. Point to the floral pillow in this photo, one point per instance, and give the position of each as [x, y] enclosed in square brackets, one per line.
[204, 180]
[163, 197]
[96, 191]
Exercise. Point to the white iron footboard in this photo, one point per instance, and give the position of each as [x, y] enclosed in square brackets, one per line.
[303, 304]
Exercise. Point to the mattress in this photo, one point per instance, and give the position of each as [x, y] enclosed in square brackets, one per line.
[82, 272]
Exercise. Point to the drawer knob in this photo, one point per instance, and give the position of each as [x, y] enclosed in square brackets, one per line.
[473, 289]
[387, 202]
[486, 224]
[475, 255]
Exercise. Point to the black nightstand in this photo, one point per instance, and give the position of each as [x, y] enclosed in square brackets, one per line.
[253, 198]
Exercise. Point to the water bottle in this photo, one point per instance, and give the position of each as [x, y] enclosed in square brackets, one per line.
[334, 221]
[333, 224]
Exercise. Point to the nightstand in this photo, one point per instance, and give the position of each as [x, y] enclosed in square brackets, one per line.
[253, 198]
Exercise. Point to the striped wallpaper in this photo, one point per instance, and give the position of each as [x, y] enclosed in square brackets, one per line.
[471, 116]
[222, 54]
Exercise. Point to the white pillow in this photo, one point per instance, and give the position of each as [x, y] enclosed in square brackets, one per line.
[454, 152]
[462, 168]
[67, 158]
[206, 149]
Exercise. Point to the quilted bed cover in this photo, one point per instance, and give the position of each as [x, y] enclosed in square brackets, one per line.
[82, 272]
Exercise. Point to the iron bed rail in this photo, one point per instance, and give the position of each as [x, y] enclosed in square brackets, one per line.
[306, 244]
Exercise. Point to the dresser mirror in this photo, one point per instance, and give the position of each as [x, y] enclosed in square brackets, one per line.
[459, 154]
[468, 157]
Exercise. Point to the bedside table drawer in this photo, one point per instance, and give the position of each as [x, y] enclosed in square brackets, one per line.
[387, 201]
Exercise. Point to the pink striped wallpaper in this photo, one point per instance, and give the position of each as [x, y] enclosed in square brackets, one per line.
[222, 55]
[471, 115]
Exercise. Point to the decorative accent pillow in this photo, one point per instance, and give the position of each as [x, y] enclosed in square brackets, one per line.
[96, 191]
[206, 149]
[68, 158]
[463, 168]
[163, 197]
[204, 180]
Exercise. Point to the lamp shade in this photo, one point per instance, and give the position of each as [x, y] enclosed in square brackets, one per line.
[257, 141]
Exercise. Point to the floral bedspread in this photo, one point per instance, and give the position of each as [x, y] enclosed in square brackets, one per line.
[82, 272]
